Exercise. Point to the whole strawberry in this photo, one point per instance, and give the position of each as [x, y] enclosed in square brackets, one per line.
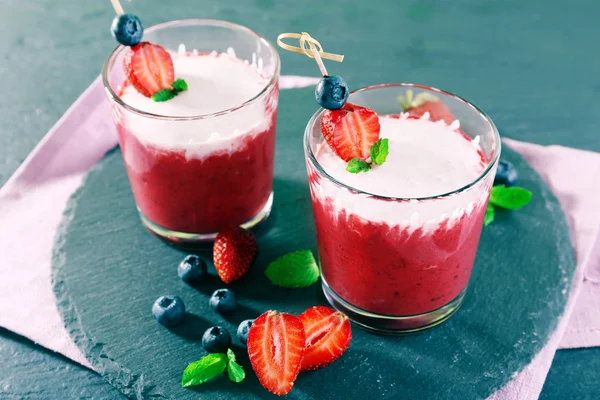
[234, 253]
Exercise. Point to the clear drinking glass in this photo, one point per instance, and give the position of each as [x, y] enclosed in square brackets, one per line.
[188, 191]
[399, 265]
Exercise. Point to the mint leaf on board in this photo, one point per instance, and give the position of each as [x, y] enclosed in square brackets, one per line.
[294, 270]
[180, 85]
[511, 198]
[357, 165]
[379, 151]
[204, 370]
[489, 215]
[234, 370]
[163, 95]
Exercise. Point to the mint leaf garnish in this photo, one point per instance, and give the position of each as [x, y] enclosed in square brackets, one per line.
[379, 151]
[234, 370]
[204, 370]
[511, 198]
[357, 165]
[167, 94]
[489, 215]
[180, 85]
[163, 95]
[294, 270]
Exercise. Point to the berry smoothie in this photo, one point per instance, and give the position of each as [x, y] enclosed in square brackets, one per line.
[402, 257]
[200, 175]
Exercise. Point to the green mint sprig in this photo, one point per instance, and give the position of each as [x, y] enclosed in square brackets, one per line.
[379, 152]
[510, 198]
[294, 270]
[357, 165]
[167, 94]
[210, 367]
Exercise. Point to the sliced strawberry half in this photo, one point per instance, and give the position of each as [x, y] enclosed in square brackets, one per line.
[350, 131]
[149, 68]
[234, 252]
[426, 102]
[276, 347]
[328, 335]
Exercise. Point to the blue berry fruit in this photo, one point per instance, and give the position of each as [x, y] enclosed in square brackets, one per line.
[216, 340]
[506, 174]
[127, 29]
[192, 269]
[169, 310]
[332, 92]
[243, 329]
[222, 301]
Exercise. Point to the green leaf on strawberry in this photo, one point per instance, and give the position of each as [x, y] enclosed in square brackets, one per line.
[511, 198]
[203, 370]
[357, 165]
[179, 85]
[294, 270]
[379, 151]
[163, 95]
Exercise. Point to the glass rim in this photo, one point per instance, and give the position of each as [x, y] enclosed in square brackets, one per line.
[315, 163]
[191, 22]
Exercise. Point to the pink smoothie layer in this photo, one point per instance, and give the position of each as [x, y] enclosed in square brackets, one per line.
[202, 175]
[402, 257]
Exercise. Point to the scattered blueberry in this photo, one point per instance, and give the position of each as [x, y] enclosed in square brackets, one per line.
[222, 301]
[127, 29]
[332, 92]
[191, 269]
[243, 329]
[216, 340]
[506, 174]
[168, 310]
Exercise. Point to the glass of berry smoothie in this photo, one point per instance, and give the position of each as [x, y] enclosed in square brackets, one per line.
[397, 241]
[201, 161]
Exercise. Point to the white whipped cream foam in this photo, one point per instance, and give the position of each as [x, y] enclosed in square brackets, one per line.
[425, 159]
[216, 82]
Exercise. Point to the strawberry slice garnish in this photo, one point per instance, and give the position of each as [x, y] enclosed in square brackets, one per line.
[276, 347]
[149, 68]
[350, 131]
[234, 252]
[328, 335]
[426, 102]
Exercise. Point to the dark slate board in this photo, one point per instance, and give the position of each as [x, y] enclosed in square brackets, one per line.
[108, 271]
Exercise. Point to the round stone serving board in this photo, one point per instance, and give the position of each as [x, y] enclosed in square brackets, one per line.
[108, 270]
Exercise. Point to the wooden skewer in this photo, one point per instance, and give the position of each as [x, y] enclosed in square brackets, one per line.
[318, 58]
[314, 49]
[118, 7]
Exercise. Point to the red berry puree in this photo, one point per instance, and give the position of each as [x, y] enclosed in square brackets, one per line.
[388, 269]
[402, 257]
[201, 195]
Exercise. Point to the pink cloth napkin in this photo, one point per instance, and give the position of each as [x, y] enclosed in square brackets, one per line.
[33, 200]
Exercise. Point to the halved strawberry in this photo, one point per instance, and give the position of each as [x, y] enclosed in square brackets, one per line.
[276, 347]
[350, 131]
[328, 335]
[149, 68]
[234, 252]
[426, 102]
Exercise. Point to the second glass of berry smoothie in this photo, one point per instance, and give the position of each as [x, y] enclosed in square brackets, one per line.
[202, 161]
[397, 243]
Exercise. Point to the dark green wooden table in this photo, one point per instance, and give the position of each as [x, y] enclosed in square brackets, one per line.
[532, 65]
